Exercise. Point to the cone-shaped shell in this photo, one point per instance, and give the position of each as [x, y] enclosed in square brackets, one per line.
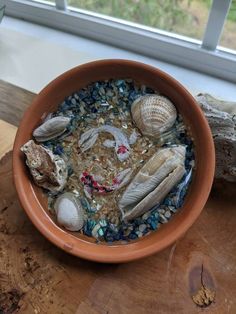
[51, 128]
[153, 114]
[69, 212]
[153, 182]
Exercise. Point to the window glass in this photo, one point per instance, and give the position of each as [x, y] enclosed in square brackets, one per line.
[2, 8]
[228, 38]
[184, 17]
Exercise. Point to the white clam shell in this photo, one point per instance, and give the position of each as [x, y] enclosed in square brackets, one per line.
[51, 128]
[69, 212]
[153, 182]
[153, 114]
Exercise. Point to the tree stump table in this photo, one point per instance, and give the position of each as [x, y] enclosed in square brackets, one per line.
[196, 274]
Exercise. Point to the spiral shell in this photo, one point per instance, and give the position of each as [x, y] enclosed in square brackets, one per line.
[69, 212]
[153, 114]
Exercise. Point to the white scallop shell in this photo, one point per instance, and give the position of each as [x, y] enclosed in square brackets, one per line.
[51, 128]
[153, 114]
[69, 212]
[48, 170]
[153, 182]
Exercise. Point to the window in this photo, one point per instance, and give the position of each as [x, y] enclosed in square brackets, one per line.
[228, 38]
[2, 8]
[183, 32]
[183, 17]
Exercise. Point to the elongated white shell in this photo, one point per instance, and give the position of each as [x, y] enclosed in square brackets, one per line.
[153, 114]
[48, 170]
[153, 182]
[69, 212]
[51, 128]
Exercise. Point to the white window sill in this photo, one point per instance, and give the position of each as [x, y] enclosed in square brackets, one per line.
[32, 55]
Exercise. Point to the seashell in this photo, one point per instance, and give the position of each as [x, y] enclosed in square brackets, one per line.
[153, 182]
[51, 128]
[120, 143]
[48, 170]
[153, 114]
[69, 212]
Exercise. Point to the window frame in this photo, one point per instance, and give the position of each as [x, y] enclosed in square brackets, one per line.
[202, 56]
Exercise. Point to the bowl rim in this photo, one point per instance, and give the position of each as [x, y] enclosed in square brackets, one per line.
[91, 251]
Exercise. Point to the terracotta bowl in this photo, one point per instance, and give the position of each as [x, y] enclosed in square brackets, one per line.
[34, 202]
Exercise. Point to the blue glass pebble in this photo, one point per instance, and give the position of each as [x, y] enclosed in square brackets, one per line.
[58, 150]
[103, 223]
[94, 110]
[133, 236]
[70, 171]
[100, 232]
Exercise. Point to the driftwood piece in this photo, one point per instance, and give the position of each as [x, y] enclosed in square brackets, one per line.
[221, 116]
[222, 105]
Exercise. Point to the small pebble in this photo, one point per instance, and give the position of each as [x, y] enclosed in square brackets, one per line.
[167, 214]
[172, 208]
[163, 219]
[82, 111]
[99, 206]
[156, 215]
[95, 230]
[133, 236]
[73, 101]
[100, 232]
[145, 216]
[154, 224]
[139, 233]
[103, 223]
[101, 120]
[192, 163]
[105, 104]
[76, 192]
[142, 227]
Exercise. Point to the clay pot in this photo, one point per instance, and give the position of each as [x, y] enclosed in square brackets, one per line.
[33, 201]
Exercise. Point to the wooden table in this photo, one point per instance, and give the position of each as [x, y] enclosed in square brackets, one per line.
[37, 277]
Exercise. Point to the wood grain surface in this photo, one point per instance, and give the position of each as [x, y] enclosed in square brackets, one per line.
[13, 102]
[37, 277]
[7, 135]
